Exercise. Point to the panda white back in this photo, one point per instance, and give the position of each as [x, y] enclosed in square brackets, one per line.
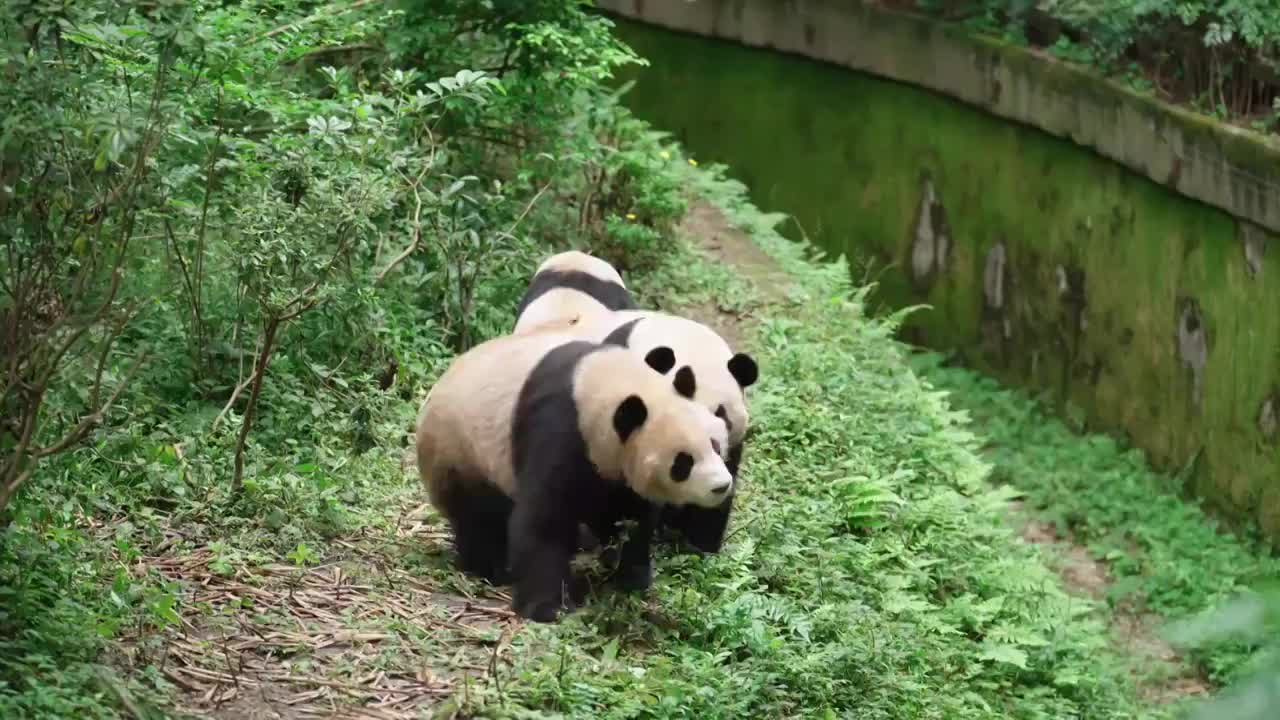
[465, 422]
[560, 309]
[578, 261]
[569, 288]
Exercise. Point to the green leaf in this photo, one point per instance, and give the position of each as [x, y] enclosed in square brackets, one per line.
[1001, 653]
[610, 652]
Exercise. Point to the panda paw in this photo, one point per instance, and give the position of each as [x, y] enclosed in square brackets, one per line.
[578, 588]
[635, 578]
[543, 611]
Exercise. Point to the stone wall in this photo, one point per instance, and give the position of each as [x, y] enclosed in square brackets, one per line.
[1142, 312]
[1215, 163]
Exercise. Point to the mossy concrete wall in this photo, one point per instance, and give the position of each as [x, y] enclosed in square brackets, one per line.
[1046, 264]
[1221, 165]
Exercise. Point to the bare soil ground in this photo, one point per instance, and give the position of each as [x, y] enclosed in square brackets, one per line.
[713, 235]
[1165, 678]
[359, 637]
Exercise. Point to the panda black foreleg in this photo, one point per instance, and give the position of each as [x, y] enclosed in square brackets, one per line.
[734, 460]
[633, 561]
[702, 528]
[541, 543]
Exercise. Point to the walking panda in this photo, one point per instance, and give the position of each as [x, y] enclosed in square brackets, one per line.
[526, 436]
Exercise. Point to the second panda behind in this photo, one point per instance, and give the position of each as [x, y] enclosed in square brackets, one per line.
[568, 288]
[526, 436]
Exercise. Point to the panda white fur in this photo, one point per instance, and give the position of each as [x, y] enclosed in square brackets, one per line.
[722, 378]
[524, 437]
[568, 288]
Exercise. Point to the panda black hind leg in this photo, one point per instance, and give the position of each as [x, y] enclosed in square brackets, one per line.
[479, 514]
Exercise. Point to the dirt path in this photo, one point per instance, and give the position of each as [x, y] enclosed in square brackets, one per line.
[706, 227]
[1161, 675]
[370, 634]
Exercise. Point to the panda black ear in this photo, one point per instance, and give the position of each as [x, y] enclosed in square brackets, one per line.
[743, 369]
[629, 416]
[686, 383]
[661, 358]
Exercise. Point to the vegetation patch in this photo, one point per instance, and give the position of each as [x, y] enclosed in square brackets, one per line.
[1216, 56]
[1169, 565]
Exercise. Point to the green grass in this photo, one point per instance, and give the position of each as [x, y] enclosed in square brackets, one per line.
[1165, 554]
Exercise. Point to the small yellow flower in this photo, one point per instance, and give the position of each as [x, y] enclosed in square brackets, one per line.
[693, 162]
[664, 155]
[631, 216]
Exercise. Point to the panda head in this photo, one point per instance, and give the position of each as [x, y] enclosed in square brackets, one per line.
[723, 375]
[728, 401]
[724, 392]
[672, 447]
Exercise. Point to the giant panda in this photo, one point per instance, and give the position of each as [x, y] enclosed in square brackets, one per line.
[722, 379]
[568, 288]
[526, 436]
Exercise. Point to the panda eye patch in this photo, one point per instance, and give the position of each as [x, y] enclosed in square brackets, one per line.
[682, 467]
[715, 446]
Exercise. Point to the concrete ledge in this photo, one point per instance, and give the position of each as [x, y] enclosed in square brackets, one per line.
[1221, 165]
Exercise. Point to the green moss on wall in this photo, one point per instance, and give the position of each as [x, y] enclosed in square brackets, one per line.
[848, 155]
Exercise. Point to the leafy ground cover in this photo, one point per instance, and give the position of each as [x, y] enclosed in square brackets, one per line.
[1164, 563]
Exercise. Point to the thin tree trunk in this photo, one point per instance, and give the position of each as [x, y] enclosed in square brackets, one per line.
[259, 372]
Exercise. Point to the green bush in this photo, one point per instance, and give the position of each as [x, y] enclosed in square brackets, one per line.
[239, 239]
[1220, 56]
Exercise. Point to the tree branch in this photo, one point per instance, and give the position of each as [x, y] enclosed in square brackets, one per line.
[417, 233]
[93, 418]
[12, 486]
[235, 394]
